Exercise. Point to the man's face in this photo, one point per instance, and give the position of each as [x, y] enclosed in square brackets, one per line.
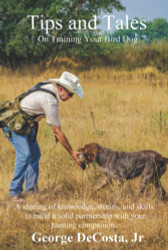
[65, 94]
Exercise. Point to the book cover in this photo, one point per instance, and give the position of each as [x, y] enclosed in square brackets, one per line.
[119, 52]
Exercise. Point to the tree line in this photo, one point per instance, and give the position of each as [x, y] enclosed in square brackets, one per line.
[21, 45]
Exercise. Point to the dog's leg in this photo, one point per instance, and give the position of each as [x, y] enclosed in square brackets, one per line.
[120, 182]
[103, 184]
[147, 177]
[160, 170]
[160, 188]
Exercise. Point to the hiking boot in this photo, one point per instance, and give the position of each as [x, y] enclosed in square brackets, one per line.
[16, 198]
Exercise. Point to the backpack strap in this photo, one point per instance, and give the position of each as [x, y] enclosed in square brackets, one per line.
[43, 90]
[37, 87]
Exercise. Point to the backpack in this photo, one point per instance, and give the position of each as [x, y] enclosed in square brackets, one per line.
[16, 119]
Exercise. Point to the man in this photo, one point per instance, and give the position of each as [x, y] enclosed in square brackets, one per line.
[40, 103]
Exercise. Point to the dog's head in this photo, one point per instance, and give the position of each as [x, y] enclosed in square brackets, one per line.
[89, 154]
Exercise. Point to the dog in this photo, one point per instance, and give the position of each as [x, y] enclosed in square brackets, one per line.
[148, 164]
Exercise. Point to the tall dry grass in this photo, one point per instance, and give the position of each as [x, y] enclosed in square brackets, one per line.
[121, 110]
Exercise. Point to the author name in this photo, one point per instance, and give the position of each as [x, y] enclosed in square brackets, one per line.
[97, 237]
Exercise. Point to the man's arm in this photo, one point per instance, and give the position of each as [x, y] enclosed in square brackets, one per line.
[65, 143]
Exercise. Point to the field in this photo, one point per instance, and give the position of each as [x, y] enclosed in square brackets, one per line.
[125, 111]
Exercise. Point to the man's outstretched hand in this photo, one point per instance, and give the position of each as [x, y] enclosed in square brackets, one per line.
[75, 157]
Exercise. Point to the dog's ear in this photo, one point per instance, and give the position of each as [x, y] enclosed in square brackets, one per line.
[98, 146]
[90, 151]
[80, 150]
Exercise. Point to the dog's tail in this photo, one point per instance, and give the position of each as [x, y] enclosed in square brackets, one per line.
[162, 159]
[165, 160]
